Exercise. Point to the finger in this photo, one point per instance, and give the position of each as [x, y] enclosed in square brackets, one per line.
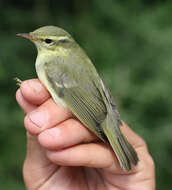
[66, 134]
[37, 167]
[135, 140]
[34, 91]
[45, 116]
[145, 159]
[23, 103]
[34, 151]
[96, 155]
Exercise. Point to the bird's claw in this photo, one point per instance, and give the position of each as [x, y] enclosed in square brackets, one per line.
[18, 81]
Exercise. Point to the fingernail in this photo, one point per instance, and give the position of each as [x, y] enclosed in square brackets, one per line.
[39, 118]
[35, 85]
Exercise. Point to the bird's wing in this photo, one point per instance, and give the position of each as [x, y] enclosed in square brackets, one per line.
[90, 101]
[83, 98]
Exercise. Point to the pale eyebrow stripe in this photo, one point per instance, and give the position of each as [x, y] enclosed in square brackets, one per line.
[63, 38]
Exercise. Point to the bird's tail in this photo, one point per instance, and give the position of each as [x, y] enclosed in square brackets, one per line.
[124, 151]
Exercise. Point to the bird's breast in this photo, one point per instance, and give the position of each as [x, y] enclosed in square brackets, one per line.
[40, 70]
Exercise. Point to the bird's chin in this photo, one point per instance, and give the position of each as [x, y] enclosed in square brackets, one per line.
[39, 46]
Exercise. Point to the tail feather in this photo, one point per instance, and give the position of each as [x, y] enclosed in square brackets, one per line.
[124, 151]
[128, 149]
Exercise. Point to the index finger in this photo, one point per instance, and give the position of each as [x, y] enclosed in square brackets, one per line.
[34, 91]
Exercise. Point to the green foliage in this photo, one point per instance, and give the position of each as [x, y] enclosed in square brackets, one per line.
[129, 42]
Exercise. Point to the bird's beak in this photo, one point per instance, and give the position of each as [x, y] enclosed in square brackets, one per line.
[27, 35]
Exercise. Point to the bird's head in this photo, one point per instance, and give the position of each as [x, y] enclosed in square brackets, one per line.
[51, 38]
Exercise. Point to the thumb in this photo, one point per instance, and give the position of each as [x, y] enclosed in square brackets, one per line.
[35, 155]
[37, 167]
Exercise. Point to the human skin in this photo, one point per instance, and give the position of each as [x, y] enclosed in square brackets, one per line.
[63, 154]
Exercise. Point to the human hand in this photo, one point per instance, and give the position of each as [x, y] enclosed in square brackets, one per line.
[63, 154]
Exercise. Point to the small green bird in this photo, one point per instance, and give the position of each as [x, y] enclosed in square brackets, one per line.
[72, 80]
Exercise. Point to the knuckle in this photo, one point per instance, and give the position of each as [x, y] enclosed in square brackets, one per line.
[30, 126]
[141, 143]
[150, 161]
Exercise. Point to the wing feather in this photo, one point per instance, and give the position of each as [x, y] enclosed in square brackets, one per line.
[82, 98]
[90, 101]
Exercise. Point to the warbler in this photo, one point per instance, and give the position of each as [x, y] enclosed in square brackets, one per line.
[72, 80]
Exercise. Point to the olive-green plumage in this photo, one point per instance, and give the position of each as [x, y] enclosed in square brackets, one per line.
[72, 80]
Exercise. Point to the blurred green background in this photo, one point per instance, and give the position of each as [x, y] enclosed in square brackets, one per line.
[130, 42]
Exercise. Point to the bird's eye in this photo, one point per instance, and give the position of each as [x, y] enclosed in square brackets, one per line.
[48, 41]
